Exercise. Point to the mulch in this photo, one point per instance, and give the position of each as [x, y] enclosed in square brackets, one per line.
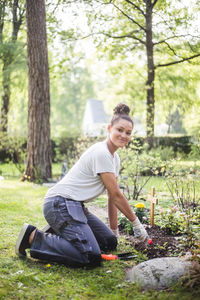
[163, 244]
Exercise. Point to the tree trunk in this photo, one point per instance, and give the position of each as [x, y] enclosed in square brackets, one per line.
[5, 95]
[38, 144]
[150, 75]
[4, 101]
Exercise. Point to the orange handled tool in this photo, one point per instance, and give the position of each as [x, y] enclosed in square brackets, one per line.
[123, 256]
[108, 256]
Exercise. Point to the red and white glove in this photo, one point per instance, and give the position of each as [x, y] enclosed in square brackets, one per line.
[116, 232]
[140, 233]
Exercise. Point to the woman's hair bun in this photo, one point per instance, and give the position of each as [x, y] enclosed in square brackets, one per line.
[121, 109]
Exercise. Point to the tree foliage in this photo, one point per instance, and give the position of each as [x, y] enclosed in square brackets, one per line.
[71, 86]
[158, 33]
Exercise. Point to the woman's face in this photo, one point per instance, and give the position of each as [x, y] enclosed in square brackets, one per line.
[120, 133]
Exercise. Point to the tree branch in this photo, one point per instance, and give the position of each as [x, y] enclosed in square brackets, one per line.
[137, 7]
[154, 3]
[2, 16]
[131, 19]
[178, 61]
[173, 37]
[124, 36]
[129, 35]
[18, 15]
[173, 50]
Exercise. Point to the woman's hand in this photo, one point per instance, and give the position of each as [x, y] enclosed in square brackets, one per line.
[140, 233]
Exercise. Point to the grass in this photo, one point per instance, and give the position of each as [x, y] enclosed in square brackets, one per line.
[10, 170]
[30, 279]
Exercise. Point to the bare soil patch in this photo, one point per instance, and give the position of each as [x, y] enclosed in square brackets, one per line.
[163, 244]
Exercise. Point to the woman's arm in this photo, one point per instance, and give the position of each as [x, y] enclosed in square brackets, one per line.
[116, 197]
[112, 214]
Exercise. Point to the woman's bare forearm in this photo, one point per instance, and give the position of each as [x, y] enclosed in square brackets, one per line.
[112, 214]
[116, 196]
[122, 204]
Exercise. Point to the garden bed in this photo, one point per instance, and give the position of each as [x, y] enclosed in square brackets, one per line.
[163, 244]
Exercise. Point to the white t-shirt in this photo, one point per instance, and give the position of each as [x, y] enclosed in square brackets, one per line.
[83, 181]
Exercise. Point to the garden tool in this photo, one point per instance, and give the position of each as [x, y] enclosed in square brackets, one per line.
[122, 256]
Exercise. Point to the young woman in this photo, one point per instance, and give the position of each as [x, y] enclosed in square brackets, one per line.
[79, 235]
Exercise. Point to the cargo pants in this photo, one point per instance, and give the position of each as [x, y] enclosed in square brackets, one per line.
[79, 235]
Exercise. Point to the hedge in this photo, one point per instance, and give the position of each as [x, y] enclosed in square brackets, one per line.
[69, 148]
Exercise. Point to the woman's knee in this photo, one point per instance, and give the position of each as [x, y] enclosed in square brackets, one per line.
[109, 243]
[112, 242]
[94, 259]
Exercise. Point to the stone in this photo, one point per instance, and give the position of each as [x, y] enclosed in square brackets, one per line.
[158, 273]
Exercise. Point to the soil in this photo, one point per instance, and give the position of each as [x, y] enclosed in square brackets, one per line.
[163, 244]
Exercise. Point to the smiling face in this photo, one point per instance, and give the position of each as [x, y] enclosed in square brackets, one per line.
[119, 134]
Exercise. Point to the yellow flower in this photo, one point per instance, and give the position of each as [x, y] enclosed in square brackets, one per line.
[48, 265]
[139, 205]
[163, 169]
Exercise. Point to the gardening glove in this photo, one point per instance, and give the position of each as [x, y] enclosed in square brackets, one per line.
[116, 232]
[140, 233]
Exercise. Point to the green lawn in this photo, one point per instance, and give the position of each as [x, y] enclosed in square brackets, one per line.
[10, 170]
[29, 279]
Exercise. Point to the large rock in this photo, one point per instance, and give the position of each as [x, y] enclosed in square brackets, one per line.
[158, 273]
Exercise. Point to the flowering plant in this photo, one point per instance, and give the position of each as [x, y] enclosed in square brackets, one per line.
[140, 212]
[140, 205]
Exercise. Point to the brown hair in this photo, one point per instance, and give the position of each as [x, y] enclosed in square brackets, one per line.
[121, 111]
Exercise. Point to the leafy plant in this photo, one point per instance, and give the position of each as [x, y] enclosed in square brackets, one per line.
[184, 189]
[125, 225]
[141, 213]
[176, 222]
[170, 220]
[15, 149]
[132, 167]
[166, 153]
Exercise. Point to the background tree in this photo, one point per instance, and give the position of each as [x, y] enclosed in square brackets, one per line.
[156, 32]
[38, 144]
[70, 89]
[9, 49]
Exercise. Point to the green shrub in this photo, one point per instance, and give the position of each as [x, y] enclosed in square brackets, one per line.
[195, 151]
[184, 188]
[125, 225]
[13, 149]
[170, 220]
[137, 167]
[164, 153]
[70, 148]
